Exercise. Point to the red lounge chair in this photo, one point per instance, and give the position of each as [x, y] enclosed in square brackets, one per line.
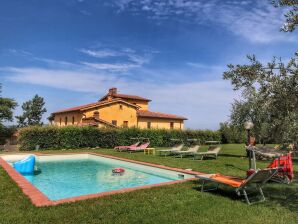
[122, 148]
[285, 168]
[138, 148]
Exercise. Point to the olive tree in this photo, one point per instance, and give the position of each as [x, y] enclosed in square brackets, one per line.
[269, 98]
[291, 15]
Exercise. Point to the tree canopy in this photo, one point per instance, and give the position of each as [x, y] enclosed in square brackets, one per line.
[291, 15]
[269, 98]
[32, 112]
[7, 105]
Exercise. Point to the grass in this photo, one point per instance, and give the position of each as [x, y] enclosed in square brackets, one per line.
[180, 203]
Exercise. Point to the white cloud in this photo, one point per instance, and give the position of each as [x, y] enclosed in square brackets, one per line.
[205, 103]
[81, 81]
[123, 60]
[31, 57]
[116, 67]
[204, 66]
[256, 21]
[130, 59]
[100, 53]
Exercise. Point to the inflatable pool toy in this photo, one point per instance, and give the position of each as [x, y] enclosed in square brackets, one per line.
[26, 165]
[118, 171]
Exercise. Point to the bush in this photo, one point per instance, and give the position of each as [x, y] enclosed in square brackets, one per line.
[5, 133]
[71, 137]
[232, 134]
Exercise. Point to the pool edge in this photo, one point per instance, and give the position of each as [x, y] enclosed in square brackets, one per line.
[40, 200]
[36, 196]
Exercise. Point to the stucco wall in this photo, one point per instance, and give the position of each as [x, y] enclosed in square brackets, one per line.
[142, 104]
[114, 112]
[77, 118]
[160, 123]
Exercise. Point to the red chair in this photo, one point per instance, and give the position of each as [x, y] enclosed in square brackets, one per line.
[285, 172]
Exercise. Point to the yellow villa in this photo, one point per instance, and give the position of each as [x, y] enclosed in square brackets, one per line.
[117, 110]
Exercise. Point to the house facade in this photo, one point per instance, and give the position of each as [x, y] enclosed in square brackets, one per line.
[117, 110]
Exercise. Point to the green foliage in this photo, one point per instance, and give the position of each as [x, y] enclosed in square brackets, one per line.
[5, 133]
[232, 134]
[269, 99]
[7, 106]
[70, 137]
[291, 15]
[32, 112]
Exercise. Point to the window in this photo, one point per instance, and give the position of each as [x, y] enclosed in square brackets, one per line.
[73, 119]
[114, 122]
[96, 114]
[125, 124]
[60, 121]
[120, 107]
[65, 121]
[148, 125]
[172, 125]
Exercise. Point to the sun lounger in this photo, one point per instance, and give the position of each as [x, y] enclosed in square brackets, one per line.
[267, 154]
[123, 148]
[120, 148]
[255, 181]
[166, 152]
[212, 152]
[138, 148]
[189, 151]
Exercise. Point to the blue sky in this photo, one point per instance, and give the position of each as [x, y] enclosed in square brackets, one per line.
[171, 51]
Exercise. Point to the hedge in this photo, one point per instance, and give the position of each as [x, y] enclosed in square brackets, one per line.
[72, 137]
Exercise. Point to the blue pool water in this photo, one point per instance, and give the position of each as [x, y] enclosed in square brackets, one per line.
[69, 178]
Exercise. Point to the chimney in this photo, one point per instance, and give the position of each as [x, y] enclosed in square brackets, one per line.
[112, 92]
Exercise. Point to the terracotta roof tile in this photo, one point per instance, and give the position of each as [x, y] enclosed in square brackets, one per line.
[98, 120]
[76, 108]
[124, 96]
[90, 105]
[130, 97]
[146, 113]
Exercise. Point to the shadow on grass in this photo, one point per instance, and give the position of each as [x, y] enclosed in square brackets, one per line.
[223, 191]
[233, 166]
[284, 195]
[232, 155]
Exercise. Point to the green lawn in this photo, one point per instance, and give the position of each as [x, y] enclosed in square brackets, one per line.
[180, 203]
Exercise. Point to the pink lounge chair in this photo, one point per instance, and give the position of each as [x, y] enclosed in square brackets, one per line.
[125, 147]
[138, 148]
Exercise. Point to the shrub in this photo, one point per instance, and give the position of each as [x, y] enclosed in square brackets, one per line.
[71, 137]
[232, 134]
[5, 133]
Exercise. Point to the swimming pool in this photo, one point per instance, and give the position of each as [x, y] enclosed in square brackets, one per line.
[68, 176]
